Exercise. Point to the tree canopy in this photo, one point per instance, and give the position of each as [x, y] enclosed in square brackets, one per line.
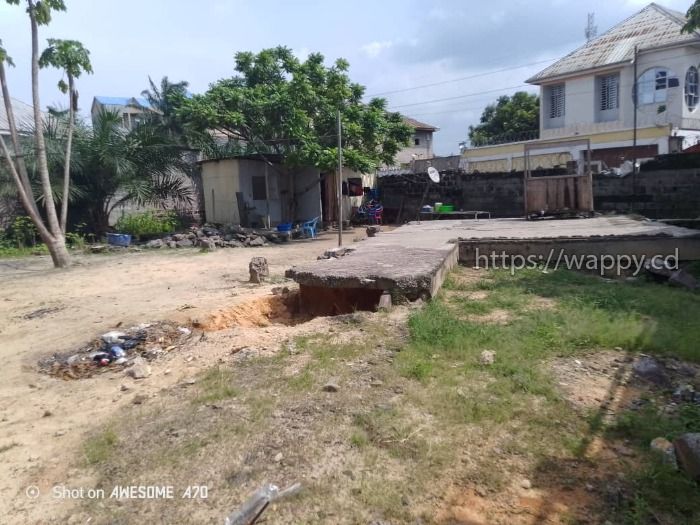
[278, 104]
[693, 16]
[508, 119]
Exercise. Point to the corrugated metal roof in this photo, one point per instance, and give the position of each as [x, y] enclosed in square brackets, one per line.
[652, 27]
[122, 101]
[24, 115]
[417, 124]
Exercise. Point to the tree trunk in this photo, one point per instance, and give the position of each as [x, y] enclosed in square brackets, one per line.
[19, 158]
[56, 244]
[59, 252]
[73, 103]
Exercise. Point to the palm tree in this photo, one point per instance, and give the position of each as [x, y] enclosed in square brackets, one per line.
[165, 101]
[74, 59]
[115, 166]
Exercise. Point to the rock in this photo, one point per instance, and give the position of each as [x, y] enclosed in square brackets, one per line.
[179, 237]
[373, 230]
[155, 243]
[384, 300]
[526, 484]
[124, 388]
[256, 241]
[278, 290]
[687, 449]
[377, 382]
[171, 244]
[331, 385]
[487, 357]
[685, 393]
[664, 447]
[210, 232]
[139, 399]
[184, 243]
[649, 368]
[140, 369]
[258, 269]
[207, 245]
[278, 457]
[235, 244]
[683, 279]
[47, 413]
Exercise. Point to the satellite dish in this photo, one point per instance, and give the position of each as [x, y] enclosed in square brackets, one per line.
[434, 174]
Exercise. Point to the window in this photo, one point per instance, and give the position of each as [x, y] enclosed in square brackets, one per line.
[556, 101]
[416, 141]
[653, 84]
[609, 92]
[259, 188]
[691, 88]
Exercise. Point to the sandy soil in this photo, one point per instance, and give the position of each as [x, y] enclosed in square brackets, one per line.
[43, 419]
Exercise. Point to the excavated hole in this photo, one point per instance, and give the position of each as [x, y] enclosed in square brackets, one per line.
[292, 308]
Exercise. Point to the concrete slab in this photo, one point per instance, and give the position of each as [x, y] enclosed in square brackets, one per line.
[413, 260]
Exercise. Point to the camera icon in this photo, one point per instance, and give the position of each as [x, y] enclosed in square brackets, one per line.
[32, 491]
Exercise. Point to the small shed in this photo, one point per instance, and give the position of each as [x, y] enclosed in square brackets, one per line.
[259, 192]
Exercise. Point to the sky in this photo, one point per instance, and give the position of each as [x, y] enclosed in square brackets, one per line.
[393, 46]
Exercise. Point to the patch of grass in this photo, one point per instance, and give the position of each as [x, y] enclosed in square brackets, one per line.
[303, 381]
[100, 447]
[11, 252]
[643, 425]
[216, 385]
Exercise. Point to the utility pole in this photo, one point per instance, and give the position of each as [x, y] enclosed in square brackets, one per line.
[340, 182]
[635, 91]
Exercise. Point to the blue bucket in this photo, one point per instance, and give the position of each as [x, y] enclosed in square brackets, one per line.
[118, 239]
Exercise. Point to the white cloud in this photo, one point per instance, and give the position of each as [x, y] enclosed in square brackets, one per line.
[373, 49]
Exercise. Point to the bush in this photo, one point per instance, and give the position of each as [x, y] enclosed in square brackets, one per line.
[148, 223]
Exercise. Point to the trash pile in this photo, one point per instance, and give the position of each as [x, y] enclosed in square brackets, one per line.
[117, 350]
[210, 238]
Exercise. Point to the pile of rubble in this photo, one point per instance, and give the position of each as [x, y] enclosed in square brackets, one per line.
[209, 238]
[130, 350]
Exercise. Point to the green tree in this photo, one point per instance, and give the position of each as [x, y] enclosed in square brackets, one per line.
[114, 166]
[693, 18]
[166, 99]
[278, 104]
[49, 227]
[508, 119]
[74, 59]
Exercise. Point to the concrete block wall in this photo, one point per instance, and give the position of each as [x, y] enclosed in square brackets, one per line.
[655, 194]
[662, 194]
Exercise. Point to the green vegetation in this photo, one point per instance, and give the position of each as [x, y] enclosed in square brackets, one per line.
[508, 119]
[417, 414]
[216, 385]
[99, 448]
[148, 223]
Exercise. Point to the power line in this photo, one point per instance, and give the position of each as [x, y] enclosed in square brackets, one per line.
[460, 79]
[458, 97]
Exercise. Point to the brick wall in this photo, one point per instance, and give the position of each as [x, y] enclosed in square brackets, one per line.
[655, 194]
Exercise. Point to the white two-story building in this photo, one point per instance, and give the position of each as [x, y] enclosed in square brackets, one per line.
[589, 94]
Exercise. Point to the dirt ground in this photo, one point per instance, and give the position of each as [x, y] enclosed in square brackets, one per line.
[42, 419]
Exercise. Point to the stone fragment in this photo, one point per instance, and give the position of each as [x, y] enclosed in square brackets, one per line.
[664, 447]
[487, 357]
[687, 448]
[331, 385]
[155, 243]
[140, 369]
[258, 269]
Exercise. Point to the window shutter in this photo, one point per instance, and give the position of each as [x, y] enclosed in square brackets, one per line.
[556, 109]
